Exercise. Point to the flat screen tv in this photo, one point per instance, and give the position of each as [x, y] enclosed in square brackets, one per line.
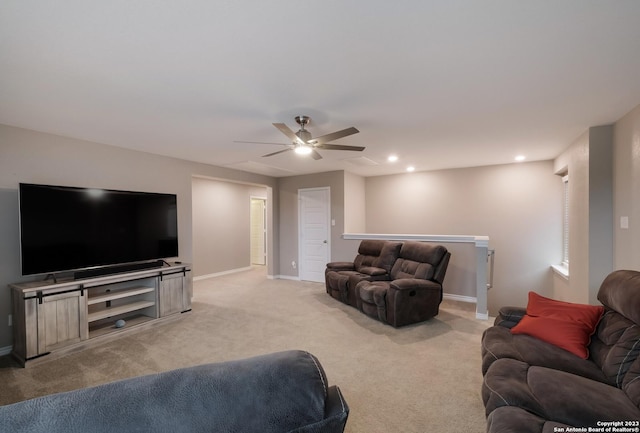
[68, 228]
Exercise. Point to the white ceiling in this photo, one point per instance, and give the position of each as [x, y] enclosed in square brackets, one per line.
[442, 84]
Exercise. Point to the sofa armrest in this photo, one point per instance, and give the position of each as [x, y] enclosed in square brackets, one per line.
[274, 393]
[372, 271]
[509, 316]
[340, 266]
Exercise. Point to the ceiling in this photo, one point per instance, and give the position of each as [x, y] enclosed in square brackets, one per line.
[441, 84]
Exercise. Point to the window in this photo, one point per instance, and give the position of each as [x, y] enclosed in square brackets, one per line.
[562, 268]
[565, 221]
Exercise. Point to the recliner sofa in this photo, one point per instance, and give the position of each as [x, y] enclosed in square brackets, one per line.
[373, 262]
[284, 392]
[413, 292]
[398, 283]
[533, 386]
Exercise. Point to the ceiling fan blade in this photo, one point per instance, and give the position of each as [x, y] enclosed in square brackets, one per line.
[289, 133]
[315, 155]
[260, 142]
[333, 136]
[275, 153]
[339, 147]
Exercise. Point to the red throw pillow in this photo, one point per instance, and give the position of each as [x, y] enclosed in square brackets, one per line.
[563, 324]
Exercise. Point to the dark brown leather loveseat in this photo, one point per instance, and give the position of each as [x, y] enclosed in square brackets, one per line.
[413, 292]
[398, 283]
[531, 386]
[373, 262]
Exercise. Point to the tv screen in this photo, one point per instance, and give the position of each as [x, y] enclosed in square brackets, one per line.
[67, 228]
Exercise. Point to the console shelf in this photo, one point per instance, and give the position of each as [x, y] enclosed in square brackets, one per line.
[105, 312]
[99, 329]
[119, 294]
[57, 318]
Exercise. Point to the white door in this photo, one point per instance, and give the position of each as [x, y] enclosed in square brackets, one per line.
[314, 219]
[258, 231]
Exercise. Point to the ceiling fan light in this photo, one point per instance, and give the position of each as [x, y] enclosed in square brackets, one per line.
[302, 150]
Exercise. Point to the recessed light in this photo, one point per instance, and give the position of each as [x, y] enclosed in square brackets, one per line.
[411, 168]
[392, 158]
[520, 158]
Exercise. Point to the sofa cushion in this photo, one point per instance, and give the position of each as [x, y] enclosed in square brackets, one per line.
[545, 393]
[498, 342]
[615, 347]
[362, 261]
[372, 270]
[388, 255]
[563, 324]
[417, 260]
[368, 252]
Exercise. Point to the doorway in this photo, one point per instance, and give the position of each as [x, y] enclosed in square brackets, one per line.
[258, 231]
[314, 216]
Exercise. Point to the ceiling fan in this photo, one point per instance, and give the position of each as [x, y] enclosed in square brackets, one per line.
[303, 143]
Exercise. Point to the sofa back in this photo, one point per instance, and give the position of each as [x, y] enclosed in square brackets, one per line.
[615, 346]
[388, 255]
[368, 252]
[422, 261]
[377, 253]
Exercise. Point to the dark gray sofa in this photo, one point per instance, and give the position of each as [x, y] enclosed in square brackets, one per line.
[276, 393]
[533, 386]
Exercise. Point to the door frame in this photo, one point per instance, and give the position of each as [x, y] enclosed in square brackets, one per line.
[300, 228]
[264, 228]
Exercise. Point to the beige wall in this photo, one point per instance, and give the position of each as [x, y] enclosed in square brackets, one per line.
[588, 162]
[354, 203]
[288, 213]
[517, 205]
[626, 182]
[29, 156]
[221, 219]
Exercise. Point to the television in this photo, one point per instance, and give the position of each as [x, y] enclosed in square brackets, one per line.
[65, 228]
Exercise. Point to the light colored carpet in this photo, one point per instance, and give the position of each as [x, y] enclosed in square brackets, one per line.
[424, 377]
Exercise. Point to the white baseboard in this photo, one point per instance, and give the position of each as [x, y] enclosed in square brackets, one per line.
[218, 274]
[460, 298]
[469, 299]
[248, 268]
[287, 277]
[5, 350]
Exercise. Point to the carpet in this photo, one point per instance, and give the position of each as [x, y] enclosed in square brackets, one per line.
[423, 377]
